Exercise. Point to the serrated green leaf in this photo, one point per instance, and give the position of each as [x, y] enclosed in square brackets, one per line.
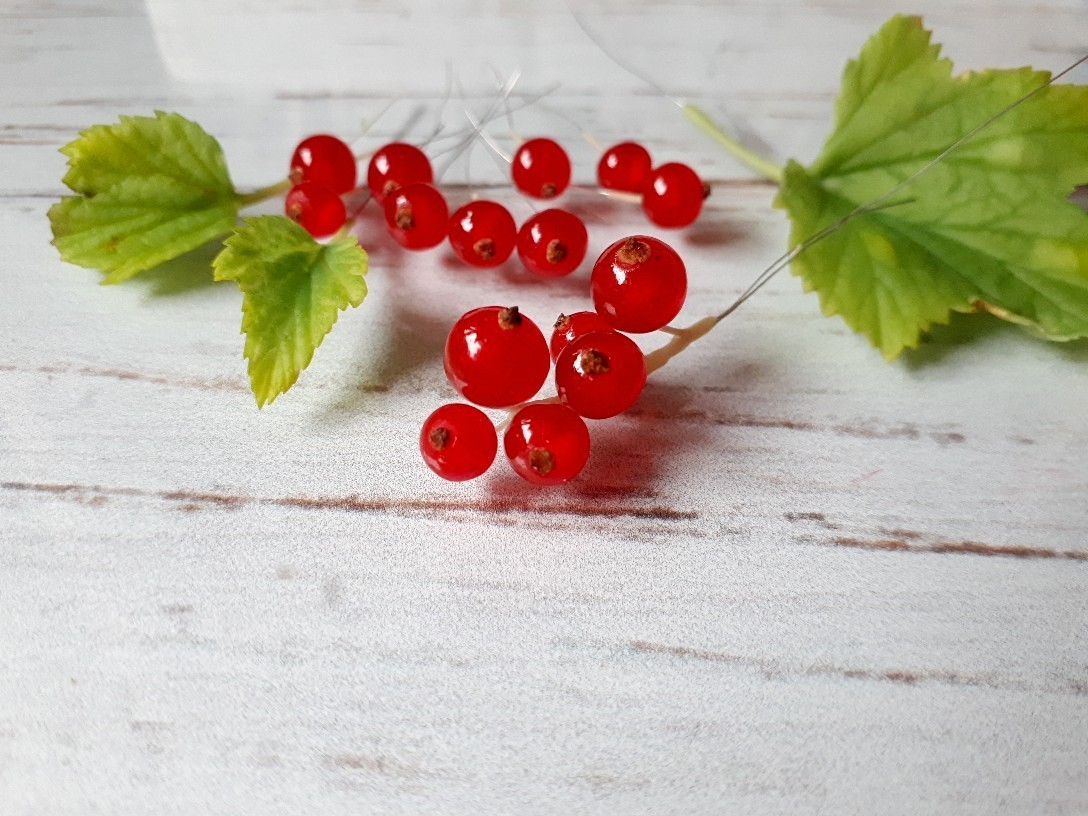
[294, 289]
[148, 189]
[989, 227]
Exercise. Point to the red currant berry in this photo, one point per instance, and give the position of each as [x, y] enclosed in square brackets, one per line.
[541, 168]
[458, 442]
[600, 374]
[326, 160]
[397, 165]
[571, 327]
[496, 357]
[552, 243]
[547, 444]
[417, 216]
[624, 167]
[317, 208]
[482, 233]
[673, 194]
[639, 284]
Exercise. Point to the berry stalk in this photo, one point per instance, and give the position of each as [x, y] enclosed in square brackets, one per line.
[681, 339]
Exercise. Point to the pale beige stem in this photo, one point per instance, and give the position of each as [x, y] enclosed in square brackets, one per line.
[681, 339]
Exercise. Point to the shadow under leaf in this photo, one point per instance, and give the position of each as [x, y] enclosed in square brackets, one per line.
[942, 341]
[187, 272]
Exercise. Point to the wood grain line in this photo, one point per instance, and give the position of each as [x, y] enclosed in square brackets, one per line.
[14, 141]
[905, 677]
[380, 765]
[912, 541]
[906, 431]
[959, 548]
[17, 194]
[190, 500]
[124, 374]
[217, 384]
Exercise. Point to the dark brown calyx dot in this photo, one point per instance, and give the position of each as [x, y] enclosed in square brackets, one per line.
[591, 361]
[561, 322]
[404, 219]
[485, 248]
[294, 212]
[548, 191]
[633, 252]
[706, 191]
[555, 251]
[389, 187]
[439, 438]
[542, 461]
[510, 317]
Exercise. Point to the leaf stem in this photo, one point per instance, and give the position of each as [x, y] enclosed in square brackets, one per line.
[764, 167]
[264, 193]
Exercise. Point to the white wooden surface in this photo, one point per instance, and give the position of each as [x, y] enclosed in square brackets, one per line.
[793, 580]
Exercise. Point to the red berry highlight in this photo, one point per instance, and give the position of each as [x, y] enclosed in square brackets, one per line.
[397, 164]
[673, 194]
[496, 357]
[541, 168]
[600, 374]
[318, 209]
[624, 167]
[482, 233]
[639, 284]
[571, 327]
[458, 442]
[552, 243]
[416, 216]
[547, 444]
[326, 160]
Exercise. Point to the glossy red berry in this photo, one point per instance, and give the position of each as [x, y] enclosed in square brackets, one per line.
[397, 165]
[638, 284]
[318, 209]
[482, 233]
[624, 167]
[541, 168]
[325, 160]
[673, 194]
[458, 442]
[571, 327]
[552, 243]
[600, 374]
[496, 357]
[417, 216]
[547, 444]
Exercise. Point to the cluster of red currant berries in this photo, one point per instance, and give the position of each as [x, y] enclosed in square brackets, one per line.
[495, 356]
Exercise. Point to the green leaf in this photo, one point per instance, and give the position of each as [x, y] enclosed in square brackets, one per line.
[294, 289]
[148, 189]
[988, 228]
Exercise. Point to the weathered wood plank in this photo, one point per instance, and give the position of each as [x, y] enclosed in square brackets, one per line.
[793, 579]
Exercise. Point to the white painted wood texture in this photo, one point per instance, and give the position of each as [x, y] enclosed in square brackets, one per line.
[794, 579]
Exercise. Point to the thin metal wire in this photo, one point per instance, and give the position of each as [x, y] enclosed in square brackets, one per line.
[621, 63]
[784, 260]
[490, 115]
